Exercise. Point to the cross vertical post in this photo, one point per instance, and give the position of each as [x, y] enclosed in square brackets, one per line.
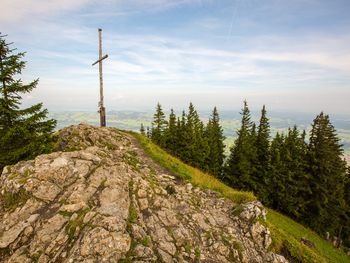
[102, 109]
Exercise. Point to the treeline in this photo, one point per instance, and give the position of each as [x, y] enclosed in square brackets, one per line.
[305, 178]
[187, 137]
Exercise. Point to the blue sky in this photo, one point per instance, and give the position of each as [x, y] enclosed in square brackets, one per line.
[289, 55]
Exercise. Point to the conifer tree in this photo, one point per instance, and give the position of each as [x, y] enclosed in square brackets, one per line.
[24, 132]
[289, 178]
[196, 148]
[171, 133]
[142, 129]
[347, 186]
[253, 159]
[346, 231]
[201, 147]
[328, 174]
[263, 141]
[301, 175]
[181, 136]
[260, 176]
[188, 154]
[159, 124]
[215, 137]
[277, 169]
[240, 164]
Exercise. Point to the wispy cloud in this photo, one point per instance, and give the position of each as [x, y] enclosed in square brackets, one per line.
[186, 59]
[150, 63]
[219, 51]
[20, 11]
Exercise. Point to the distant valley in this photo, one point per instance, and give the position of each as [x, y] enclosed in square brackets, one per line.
[230, 121]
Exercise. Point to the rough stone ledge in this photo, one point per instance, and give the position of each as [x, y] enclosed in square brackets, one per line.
[100, 199]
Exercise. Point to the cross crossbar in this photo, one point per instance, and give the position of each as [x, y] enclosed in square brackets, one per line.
[97, 61]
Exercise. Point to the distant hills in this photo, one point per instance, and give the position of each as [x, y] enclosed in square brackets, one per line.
[230, 120]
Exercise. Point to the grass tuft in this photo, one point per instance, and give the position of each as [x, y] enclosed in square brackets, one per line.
[146, 241]
[73, 225]
[188, 173]
[11, 201]
[130, 157]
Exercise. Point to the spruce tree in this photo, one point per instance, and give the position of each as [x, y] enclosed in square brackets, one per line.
[276, 182]
[196, 148]
[171, 133]
[189, 150]
[181, 136]
[24, 132]
[254, 184]
[346, 223]
[214, 134]
[159, 125]
[142, 129]
[261, 174]
[240, 165]
[302, 177]
[263, 142]
[202, 147]
[289, 182]
[328, 174]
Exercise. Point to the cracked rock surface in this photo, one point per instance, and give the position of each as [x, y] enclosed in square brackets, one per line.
[101, 199]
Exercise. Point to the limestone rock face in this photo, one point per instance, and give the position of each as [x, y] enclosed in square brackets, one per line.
[100, 199]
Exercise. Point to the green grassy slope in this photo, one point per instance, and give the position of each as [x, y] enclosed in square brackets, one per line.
[285, 232]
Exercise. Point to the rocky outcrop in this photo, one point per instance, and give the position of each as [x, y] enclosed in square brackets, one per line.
[100, 199]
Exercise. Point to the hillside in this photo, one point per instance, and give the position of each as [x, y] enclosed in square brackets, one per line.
[286, 234]
[106, 196]
[103, 200]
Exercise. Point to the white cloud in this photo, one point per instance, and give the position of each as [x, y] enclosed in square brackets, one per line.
[19, 10]
[145, 68]
[150, 58]
[16, 11]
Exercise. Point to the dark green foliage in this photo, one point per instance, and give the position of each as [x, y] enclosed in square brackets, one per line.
[201, 147]
[242, 159]
[289, 181]
[346, 230]
[262, 144]
[170, 133]
[305, 181]
[215, 137]
[180, 135]
[327, 169]
[196, 148]
[24, 133]
[142, 129]
[276, 185]
[192, 141]
[159, 125]
[308, 180]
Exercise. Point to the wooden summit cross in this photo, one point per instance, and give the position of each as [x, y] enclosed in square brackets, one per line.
[102, 109]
